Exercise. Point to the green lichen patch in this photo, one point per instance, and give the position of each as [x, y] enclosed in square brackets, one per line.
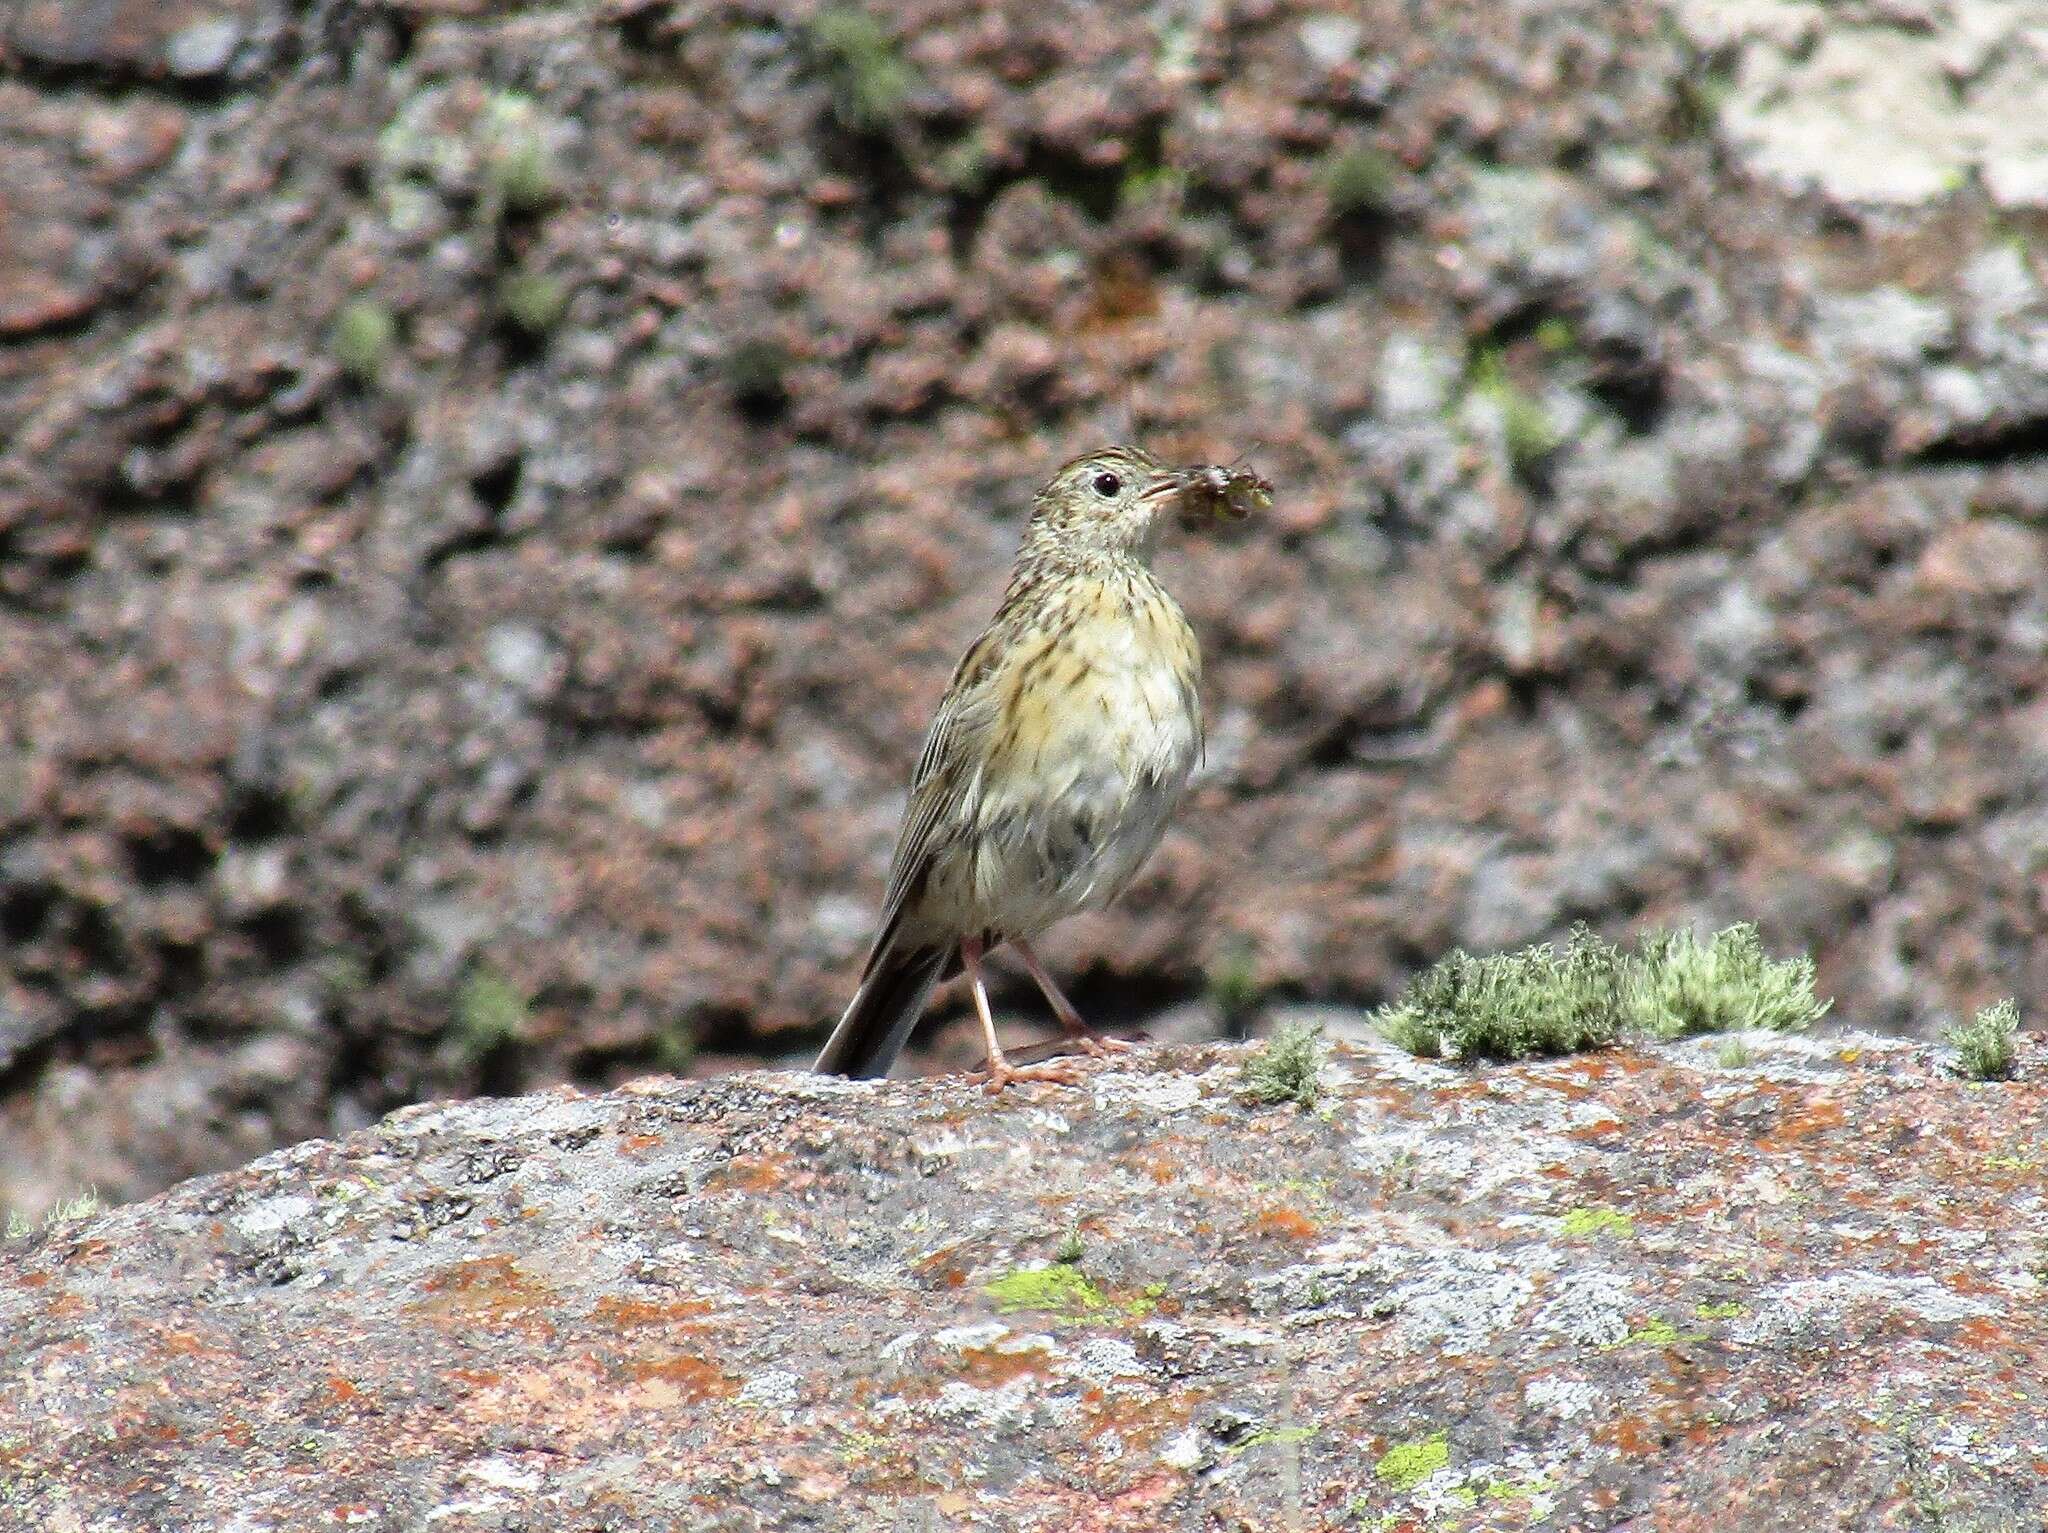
[1268, 1436]
[1591, 1223]
[1527, 430]
[1655, 1333]
[1059, 1289]
[1529, 1488]
[1406, 1465]
[1288, 1067]
[1144, 1302]
[1984, 1045]
[1726, 1309]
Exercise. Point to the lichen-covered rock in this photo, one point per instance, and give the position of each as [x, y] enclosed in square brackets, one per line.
[1640, 1288]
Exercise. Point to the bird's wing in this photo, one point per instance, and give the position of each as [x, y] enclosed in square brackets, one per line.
[944, 779]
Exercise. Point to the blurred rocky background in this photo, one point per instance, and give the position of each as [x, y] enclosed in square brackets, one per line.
[490, 494]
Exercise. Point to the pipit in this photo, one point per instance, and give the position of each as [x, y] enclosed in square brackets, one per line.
[1060, 748]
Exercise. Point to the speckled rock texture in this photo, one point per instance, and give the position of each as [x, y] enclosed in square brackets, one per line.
[490, 494]
[1641, 1289]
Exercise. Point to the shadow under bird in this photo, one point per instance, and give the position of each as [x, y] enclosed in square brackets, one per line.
[1061, 747]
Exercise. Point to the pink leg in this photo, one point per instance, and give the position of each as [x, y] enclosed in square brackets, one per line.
[1000, 1071]
[1092, 1042]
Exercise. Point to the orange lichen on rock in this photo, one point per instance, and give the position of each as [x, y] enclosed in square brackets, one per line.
[1286, 1223]
[489, 1290]
[627, 1313]
[679, 1379]
[1444, 1277]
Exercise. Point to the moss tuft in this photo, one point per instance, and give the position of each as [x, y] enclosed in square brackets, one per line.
[965, 166]
[675, 1049]
[1288, 1067]
[870, 80]
[363, 338]
[489, 1012]
[1069, 1251]
[1359, 181]
[1541, 1001]
[1511, 1005]
[1232, 982]
[520, 177]
[1555, 336]
[1984, 1045]
[1680, 985]
[63, 1211]
[532, 301]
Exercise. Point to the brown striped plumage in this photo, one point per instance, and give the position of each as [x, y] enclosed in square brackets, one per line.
[1059, 749]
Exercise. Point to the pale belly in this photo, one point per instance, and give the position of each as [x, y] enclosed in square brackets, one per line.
[1064, 822]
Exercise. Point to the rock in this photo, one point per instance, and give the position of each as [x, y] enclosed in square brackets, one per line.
[1888, 325]
[1654, 514]
[202, 50]
[1330, 40]
[1891, 107]
[54, 267]
[1982, 559]
[522, 656]
[195, 41]
[1637, 1286]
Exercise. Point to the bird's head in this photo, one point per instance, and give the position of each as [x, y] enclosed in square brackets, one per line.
[1107, 502]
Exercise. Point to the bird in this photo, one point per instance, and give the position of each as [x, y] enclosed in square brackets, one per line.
[1056, 756]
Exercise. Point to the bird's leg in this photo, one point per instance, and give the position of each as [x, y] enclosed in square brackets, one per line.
[1000, 1071]
[1091, 1041]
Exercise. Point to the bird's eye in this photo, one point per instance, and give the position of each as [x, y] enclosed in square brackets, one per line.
[1107, 485]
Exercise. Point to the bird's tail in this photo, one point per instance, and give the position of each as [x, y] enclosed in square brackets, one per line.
[877, 1023]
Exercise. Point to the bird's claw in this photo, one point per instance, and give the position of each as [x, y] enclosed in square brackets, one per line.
[998, 1073]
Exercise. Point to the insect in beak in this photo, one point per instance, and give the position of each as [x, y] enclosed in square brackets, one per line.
[1229, 492]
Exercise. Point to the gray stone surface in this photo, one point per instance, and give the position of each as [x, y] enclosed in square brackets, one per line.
[1794, 1288]
[1894, 105]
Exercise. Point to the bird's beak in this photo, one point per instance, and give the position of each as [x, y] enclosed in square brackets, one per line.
[1167, 485]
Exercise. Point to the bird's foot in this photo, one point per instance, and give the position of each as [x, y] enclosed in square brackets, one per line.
[1101, 1045]
[999, 1072]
